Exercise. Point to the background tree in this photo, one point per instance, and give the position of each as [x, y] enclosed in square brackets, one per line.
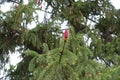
[90, 52]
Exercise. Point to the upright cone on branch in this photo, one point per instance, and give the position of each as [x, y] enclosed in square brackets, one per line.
[77, 19]
[36, 1]
[66, 35]
[16, 6]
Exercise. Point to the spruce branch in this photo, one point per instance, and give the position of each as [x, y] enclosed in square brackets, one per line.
[65, 75]
[83, 15]
[61, 53]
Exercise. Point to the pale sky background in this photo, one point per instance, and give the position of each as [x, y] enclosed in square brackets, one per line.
[116, 3]
[15, 58]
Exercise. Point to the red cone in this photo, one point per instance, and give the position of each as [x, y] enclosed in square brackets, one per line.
[36, 1]
[65, 34]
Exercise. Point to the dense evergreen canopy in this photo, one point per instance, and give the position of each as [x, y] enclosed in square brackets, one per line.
[89, 51]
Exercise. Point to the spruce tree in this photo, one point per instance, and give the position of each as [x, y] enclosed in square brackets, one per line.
[88, 49]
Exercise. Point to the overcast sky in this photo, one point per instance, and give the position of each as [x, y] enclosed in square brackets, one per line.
[116, 3]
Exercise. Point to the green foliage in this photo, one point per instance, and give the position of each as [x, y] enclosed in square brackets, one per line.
[92, 52]
[72, 65]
